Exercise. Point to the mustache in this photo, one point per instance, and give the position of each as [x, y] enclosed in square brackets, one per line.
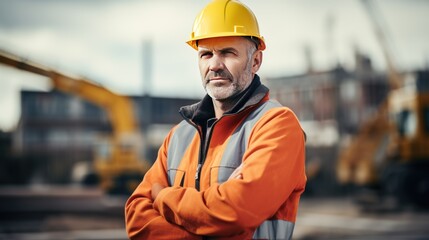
[220, 73]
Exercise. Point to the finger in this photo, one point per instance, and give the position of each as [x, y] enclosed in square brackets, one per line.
[236, 174]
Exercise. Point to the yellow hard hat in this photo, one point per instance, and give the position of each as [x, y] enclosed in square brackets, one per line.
[223, 18]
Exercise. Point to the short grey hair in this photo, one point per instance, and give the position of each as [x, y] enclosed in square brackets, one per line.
[254, 40]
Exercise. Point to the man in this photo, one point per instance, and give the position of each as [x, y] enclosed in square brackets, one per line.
[234, 167]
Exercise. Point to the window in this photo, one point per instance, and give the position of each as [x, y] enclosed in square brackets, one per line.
[407, 123]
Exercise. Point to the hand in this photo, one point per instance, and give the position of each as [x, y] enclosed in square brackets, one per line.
[156, 188]
[237, 173]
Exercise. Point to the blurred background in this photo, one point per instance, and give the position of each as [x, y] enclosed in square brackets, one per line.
[89, 89]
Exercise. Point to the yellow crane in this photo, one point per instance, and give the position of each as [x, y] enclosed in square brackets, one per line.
[118, 165]
[391, 151]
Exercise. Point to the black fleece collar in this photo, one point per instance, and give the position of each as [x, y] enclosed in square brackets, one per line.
[200, 112]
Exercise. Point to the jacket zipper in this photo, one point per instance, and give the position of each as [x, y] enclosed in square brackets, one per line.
[203, 150]
[203, 153]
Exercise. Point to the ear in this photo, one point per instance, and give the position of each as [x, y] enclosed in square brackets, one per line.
[256, 61]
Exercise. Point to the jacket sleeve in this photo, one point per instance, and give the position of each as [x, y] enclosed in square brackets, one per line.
[273, 172]
[142, 221]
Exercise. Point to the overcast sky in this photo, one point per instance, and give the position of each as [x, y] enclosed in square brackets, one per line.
[102, 40]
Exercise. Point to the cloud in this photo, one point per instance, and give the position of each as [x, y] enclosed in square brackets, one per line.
[102, 40]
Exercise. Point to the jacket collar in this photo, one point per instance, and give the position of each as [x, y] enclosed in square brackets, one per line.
[200, 112]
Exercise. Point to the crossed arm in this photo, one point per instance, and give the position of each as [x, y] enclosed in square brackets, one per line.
[157, 187]
[140, 208]
[273, 170]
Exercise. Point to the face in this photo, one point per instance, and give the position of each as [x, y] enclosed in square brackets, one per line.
[227, 65]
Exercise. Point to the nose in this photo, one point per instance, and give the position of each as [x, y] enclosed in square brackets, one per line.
[216, 63]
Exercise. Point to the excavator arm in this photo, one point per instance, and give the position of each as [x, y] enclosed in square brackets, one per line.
[390, 152]
[125, 143]
[118, 107]
[358, 162]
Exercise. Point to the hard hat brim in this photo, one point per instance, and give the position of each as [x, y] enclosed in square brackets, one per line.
[193, 42]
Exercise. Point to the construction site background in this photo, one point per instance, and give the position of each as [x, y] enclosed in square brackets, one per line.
[74, 156]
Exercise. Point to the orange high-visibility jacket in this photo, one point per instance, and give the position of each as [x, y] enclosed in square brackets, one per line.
[201, 201]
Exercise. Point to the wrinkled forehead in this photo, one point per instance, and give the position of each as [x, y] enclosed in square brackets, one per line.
[239, 43]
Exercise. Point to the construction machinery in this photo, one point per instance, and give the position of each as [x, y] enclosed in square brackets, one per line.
[390, 152]
[406, 173]
[117, 164]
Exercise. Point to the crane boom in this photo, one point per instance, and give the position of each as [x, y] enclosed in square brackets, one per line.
[122, 161]
[390, 153]
[118, 107]
[376, 21]
[356, 162]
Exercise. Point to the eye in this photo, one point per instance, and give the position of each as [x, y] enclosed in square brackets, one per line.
[228, 52]
[206, 54]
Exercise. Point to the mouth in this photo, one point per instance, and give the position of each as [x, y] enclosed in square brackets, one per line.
[217, 80]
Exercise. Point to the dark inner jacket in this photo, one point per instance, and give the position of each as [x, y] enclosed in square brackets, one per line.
[203, 114]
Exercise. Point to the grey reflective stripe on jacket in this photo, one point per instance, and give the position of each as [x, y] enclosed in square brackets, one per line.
[179, 142]
[231, 159]
[274, 229]
[238, 141]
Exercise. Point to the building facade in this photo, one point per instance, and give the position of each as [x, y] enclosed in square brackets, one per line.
[58, 130]
[331, 106]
